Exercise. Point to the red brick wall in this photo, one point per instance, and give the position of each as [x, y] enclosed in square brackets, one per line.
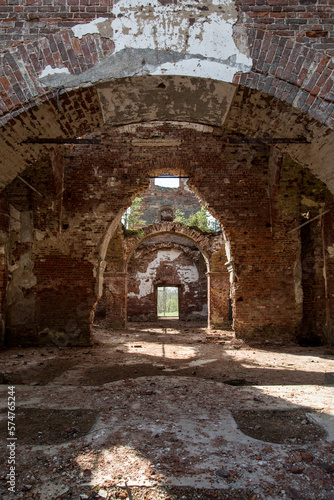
[156, 197]
[166, 272]
[292, 42]
[100, 183]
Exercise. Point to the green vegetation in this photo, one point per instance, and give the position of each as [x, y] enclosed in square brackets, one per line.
[168, 301]
[201, 220]
[131, 218]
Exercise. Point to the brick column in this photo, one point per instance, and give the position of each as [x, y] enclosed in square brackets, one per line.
[115, 298]
[218, 299]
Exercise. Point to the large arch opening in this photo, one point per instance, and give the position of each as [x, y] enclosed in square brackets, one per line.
[166, 254]
[244, 184]
[98, 97]
[167, 274]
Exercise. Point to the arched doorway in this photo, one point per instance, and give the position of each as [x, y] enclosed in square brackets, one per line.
[88, 186]
[166, 254]
[167, 277]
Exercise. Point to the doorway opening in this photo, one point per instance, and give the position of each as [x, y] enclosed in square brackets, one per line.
[168, 302]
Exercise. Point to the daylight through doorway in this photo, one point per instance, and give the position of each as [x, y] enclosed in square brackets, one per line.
[168, 302]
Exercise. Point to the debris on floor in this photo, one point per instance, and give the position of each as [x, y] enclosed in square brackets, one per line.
[163, 420]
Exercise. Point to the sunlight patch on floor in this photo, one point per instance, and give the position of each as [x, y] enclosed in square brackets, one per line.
[161, 350]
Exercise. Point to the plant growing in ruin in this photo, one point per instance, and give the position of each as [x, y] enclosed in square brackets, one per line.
[131, 218]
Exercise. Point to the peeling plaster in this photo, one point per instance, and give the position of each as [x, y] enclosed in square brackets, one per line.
[187, 274]
[146, 278]
[89, 28]
[48, 70]
[186, 41]
[182, 29]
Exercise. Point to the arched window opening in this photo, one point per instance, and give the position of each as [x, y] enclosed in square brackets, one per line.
[166, 214]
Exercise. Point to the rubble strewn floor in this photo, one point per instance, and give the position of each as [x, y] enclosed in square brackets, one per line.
[165, 411]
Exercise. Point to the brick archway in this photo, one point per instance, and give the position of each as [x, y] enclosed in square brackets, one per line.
[290, 47]
[207, 244]
[212, 248]
[101, 179]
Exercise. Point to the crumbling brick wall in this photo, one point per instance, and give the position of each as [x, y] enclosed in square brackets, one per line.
[157, 197]
[100, 183]
[163, 264]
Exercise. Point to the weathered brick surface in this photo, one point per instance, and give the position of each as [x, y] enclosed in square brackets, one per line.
[291, 43]
[157, 197]
[57, 234]
[156, 265]
[100, 182]
[213, 298]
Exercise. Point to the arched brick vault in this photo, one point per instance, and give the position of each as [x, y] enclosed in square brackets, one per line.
[234, 111]
[284, 91]
[211, 246]
[256, 192]
[290, 45]
[207, 244]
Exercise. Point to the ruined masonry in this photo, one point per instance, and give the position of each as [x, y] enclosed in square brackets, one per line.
[233, 97]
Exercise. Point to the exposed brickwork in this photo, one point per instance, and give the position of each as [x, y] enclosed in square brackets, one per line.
[4, 226]
[308, 21]
[21, 67]
[156, 197]
[294, 73]
[64, 310]
[56, 220]
[99, 183]
[215, 302]
[291, 45]
[156, 265]
[328, 245]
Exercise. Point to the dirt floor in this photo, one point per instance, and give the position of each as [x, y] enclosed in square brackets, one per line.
[167, 411]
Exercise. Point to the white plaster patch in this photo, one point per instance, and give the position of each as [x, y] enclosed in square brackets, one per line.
[188, 274]
[330, 251]
[89, 28]
[181, 29]
[48, 70]
[146, 278]
[199, 68]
